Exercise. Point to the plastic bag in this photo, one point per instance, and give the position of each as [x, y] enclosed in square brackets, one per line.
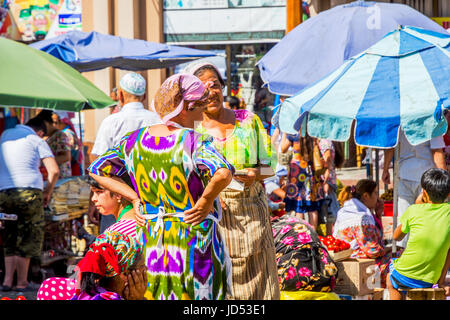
[308, 295]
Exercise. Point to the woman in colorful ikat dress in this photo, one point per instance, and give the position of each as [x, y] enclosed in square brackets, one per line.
[177, 175]
[241, 138]
[303, 189]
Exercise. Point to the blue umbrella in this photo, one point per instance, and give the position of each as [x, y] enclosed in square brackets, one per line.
[400, 82]
[93, 51]
[322, 43]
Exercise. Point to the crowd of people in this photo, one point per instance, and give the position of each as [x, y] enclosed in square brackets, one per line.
[196, 200]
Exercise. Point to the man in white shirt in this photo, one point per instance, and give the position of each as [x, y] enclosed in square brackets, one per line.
[22, 193]
[413, 162]
[131, 117]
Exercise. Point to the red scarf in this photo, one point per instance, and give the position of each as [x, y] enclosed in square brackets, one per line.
[97, 258]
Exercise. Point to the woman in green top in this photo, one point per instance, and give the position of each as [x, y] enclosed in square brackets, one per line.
[241, 138]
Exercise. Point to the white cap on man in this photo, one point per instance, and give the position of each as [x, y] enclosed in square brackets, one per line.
[133, 83]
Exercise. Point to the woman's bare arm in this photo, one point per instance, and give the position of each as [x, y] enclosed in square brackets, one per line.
[118, 186]
[219, 181]
[398, 234]
[285, 143]
[441, 281]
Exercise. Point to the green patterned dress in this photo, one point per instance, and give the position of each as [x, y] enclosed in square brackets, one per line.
[169, 174]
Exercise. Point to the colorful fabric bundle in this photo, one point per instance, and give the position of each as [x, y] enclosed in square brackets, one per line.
[303, 262]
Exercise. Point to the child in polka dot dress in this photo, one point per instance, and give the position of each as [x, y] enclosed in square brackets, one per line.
[57, 288]
[112, 269]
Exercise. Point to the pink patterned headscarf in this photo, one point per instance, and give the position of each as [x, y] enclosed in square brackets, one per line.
[170, 97]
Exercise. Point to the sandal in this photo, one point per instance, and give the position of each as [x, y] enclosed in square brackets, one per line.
[26, 289]
[5, 288]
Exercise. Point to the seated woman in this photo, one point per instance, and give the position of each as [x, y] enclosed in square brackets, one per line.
[113, 269]
[358, 223]
[107, 203]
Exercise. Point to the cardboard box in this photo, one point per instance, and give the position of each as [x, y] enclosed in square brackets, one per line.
[426, 294]
[378, 294]
[354, 278]
[340, 255]
[387, 227]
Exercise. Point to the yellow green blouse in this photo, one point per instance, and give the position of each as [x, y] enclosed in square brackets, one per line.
[248, 144]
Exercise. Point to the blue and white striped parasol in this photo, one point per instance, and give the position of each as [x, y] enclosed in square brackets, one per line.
[402, 81]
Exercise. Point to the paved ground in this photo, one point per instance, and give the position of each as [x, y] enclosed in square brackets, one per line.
[28, 295]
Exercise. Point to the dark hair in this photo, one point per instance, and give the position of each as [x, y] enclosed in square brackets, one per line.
[233, 101]
[339, 157]
[37, 124]
[200, 71]
[93, 183]
[46, 115]
[363, 186]
[88, 284]
[436, 182]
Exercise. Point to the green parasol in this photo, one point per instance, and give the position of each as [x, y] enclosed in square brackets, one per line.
[34, 79]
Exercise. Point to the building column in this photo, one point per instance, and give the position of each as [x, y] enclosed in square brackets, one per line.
[126, 25]
[96, 17]
[154, 33]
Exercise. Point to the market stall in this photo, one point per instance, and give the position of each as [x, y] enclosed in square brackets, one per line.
[398, 91]
[56, 86]
[69, 204]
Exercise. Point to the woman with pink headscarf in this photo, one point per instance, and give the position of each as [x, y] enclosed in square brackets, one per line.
[177, 175]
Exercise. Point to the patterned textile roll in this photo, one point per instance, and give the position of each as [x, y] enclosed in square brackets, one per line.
[247, 232]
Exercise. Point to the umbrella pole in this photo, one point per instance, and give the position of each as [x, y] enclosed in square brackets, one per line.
[81, 140]
[377, 170]
[396, 181]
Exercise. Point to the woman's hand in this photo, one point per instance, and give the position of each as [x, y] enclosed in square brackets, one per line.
[137, 284]
[220, 180]
[199, 212]
[140, 220]
[93, 214]
[379, 208]
[387, 250]
[223, 204]
[250, 178]
[386, 177]
[326, 188]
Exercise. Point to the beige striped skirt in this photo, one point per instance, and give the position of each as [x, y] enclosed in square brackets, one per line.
[247, 233]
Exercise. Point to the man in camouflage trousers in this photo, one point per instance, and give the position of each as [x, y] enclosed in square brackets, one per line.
[22, 193]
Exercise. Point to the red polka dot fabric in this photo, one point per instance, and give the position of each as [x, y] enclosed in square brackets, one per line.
[57, 288]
